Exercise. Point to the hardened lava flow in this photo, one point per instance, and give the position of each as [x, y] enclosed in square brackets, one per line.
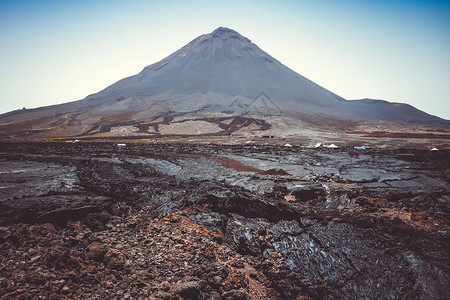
[184, 221]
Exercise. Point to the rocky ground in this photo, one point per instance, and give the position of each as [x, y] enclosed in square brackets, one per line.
[181, 221]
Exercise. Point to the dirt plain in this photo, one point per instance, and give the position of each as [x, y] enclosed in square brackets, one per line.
[189, 221]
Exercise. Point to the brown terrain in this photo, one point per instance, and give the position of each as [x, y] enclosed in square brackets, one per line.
[220, 173]
[204, 221]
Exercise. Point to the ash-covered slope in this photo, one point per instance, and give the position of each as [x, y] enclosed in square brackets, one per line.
[221, 64]
[220, 74]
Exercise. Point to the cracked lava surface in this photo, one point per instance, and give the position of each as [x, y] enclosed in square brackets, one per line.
[182, 221]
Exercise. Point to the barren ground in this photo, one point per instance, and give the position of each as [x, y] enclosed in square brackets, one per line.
[184, 221]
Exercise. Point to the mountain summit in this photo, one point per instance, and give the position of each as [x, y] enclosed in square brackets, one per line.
[222, 65]
[219, 83]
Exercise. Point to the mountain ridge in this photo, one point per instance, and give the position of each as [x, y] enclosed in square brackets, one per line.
[216, 75]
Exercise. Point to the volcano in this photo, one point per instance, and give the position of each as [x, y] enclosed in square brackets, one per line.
[218, 84]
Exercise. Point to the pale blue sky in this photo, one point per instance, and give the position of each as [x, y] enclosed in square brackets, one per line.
[58, 51]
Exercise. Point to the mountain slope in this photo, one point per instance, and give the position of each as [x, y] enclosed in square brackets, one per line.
[223, 63]
[217, 75]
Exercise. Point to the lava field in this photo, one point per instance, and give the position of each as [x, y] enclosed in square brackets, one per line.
[184, 221]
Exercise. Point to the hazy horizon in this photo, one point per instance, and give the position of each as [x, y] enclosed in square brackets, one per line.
[56, 52]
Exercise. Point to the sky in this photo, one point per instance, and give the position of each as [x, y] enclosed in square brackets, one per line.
[54, 52]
